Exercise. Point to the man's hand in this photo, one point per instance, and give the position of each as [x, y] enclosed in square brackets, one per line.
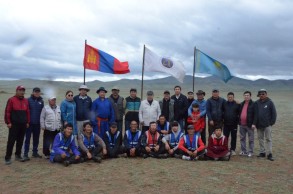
[148, 149]
[132, 152]
[167, 147]
[63, 155]
[9, 125]
[27, 125]
[164, 132]
[77, 157]
[157, 148]
[194, 153]
[171, 151]
[104, 151]
[212, 123]
[189, 153]
[253, 127]
[89, 155]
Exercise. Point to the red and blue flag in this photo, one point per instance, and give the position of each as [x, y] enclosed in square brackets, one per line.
[98, 60]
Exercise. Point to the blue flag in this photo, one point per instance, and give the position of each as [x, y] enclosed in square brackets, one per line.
[206, 64]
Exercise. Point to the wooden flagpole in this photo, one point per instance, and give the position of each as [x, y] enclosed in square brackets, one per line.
[194, 64]
[142, 73]
[83, 64]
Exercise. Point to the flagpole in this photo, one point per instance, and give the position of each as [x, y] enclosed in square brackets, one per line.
[142, 73]
[83, 64]
[194, 64]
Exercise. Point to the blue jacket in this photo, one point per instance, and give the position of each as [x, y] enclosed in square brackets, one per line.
[36, 105]
[215, 109]
[131, 140]
[62, 145]
[68, 113]
[83, 107]
[202, 107]
[102, 109]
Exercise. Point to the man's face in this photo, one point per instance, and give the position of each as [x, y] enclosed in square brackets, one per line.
[175, 128]
[115, 92]
[215, 94]
[150, 97]
[37, 94]
[218, 132]
[262, 95]
[133, 126]
[190, 131]
[230, 98]
[247, 97]
[153, 127]
[162, 120]
[20, 92]
[195, 109]
[200, 96]
[88, 129]
[113, 129]
[69, 96]
[177, 91]
[67, 131]
[166, 96]
[190, 96]
[52, 102]
[82, 92]
[102, 94]
[133, 94]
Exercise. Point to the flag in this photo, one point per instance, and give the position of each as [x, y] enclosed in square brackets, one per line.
[98, 60]
[153, 62]
[206, 64]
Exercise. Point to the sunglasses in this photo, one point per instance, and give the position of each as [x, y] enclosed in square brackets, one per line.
[69, 95]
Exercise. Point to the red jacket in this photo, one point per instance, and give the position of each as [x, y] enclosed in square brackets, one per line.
[182, 144]
[218, 147]
[199, 124]
[17, 111]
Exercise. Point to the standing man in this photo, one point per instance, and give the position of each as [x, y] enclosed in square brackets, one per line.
[167, 106]
[264, 118]
[36, 105]
[131, 107]
[17, 118]
[117, 102]
[215, 111]
[245, 122]
[83, 107]
[102, 113]
[202, 109]
[180, 106]
[149, 111]
[231, 120]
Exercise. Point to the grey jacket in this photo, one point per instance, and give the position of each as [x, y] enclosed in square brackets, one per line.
[265, 113]
[118, 107]
[171, 109]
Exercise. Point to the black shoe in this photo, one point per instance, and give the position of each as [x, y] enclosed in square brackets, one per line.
[97, 159]
[8, 161]
[36, 155]
[19, 158]
[261, 155]
[178, 156]
[163, 156]
[26, 158]
[81, 160]
[145, 156]
[270, 157]
[66, 163]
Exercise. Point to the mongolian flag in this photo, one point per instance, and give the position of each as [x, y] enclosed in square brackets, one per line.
[98, 60]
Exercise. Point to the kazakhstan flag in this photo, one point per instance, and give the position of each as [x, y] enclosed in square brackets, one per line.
[206, 64]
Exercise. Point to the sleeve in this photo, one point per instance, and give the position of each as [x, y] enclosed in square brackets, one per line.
[225, 146]
[189, 111]
[112, 113]
[106, 140]
[93, 114]
[74, 148]
[273, 113]
[63, 109]
[208, 110]
[158, 110]
[28, 114]
[255, 114]
[123, 103]
[118, 144]
[140, 112]
[56, 147]
[210, 145]
[139, 140]
[100, 141]
[125, 141]
[143, 142]
[124, 106]
[204, 109]
[42, 118]
[201, 145]
[202, 122]
[181, 145]
[185, 107]
[166, 138]
[8, 110]
[189, 120]
[81, 144]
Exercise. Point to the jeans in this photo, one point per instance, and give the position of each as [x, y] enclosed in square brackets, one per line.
[16, 133]
[265, 134]
[35, 130]
[243, 131]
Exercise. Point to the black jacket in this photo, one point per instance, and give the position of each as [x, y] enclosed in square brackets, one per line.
[113, 151]
[215, 109]
[180, 107]
[231, 113]
[250, 113]
[83, 108]
[265, 113]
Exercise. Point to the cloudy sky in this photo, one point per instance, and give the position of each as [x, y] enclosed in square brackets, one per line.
[45, 39]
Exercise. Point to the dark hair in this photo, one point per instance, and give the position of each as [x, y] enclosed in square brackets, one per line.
[247, 92]
[218, 127]
[230, 93]
[152, 122]
[68, 125]
[195, 105]
[133, 90]
[177, 87]
[87, 123]
[162, 116]
[67, 92]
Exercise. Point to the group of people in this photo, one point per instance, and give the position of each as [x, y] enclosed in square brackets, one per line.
[81, 129]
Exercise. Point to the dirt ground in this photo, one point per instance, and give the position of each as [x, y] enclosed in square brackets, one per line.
[125, 175]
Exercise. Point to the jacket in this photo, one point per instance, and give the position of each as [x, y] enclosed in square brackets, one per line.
[68, 113]
[36, 105]
[170, 116]
[249, 114]
[102, 109]
[199, 124]
[113, 143]
[149, 112]
[118, 107]
[150, 140]
[173, 139]
[132, 140]
[85, 144]
[62, 145]
[265, 113]
[131, 107]
[180, 107]
[17, 111]
[215, 109]
[83, 107]
[218, 147]
[194, 143]
[202, 107]
[231, 113]
[50, 118]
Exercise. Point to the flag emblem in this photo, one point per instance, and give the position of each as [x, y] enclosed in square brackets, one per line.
[167, 62]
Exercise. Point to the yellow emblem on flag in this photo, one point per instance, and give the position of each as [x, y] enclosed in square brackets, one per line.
[218, 65]
[92, 58]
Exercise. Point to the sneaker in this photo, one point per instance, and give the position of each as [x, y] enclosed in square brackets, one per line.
[163, 156]
[270, 157]
[122, 155]
[243, 154]
[261, 155]
[26, 158]
[66, 163]
[185, 157]
[36, 155]
[8, 161]
[145, 156]
[47, 156]
[249, 154]
[19, 158]
[233, 153]
[97, 159]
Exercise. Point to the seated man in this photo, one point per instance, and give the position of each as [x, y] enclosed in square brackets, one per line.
[218, 146]
[151, 143]
[162, 125]
[171, 140]
[191, 145]
[64, 149]
[132, 140]
[90, 144]
[113, 141]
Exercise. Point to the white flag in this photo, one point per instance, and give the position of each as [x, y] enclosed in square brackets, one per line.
[153, 62]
